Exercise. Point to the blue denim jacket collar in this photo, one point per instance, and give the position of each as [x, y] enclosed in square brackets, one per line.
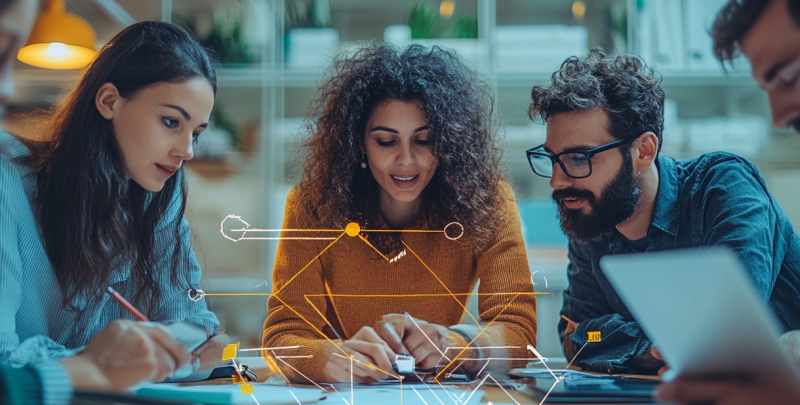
[665, 212]
[666, 209]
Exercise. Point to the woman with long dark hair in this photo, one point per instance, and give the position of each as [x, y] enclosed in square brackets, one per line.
[402, 140]
[101, 202]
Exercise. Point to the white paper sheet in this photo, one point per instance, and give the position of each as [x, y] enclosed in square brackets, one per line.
[229, 394]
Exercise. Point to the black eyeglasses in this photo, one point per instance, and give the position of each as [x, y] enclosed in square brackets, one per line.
[575, 163]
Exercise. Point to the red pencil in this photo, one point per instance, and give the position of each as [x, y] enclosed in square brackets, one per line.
[127, 305]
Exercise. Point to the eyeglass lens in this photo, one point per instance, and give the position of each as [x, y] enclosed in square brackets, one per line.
[574, 164]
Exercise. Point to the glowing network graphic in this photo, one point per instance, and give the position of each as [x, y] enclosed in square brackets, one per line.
[239, 230]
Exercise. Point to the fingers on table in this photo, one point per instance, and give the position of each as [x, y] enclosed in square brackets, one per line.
[420, 346]
[169, 353]
[388, 333]
[372, 353]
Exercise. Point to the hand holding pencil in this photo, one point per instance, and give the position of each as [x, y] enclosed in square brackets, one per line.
[126, 353]
[208, 355]
[123, 354]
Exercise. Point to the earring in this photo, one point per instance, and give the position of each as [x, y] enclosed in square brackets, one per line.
[363, 164]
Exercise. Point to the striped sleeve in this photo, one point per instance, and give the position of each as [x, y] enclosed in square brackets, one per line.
[13, 206]
[55, 382]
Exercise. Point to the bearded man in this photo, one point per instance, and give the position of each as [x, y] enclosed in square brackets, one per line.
[616, 194]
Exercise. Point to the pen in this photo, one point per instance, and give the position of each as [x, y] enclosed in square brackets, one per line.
[127, 305]
[211, 336]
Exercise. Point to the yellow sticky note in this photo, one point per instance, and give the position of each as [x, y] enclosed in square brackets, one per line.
[593, 337]
[247, 389]
[229, 352]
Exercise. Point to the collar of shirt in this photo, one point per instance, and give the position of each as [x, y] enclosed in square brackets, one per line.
[666, 209]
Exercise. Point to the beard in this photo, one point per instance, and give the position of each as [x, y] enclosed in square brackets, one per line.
[617, 202]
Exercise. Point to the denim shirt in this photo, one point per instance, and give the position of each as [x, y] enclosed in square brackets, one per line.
[715, 199]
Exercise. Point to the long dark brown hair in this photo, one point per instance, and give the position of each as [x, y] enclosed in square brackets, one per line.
[93, 218]
[458, 107]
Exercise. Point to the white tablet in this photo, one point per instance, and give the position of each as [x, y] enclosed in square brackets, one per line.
[700, 309]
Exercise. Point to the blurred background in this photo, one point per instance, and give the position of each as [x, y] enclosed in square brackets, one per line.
[273, 53]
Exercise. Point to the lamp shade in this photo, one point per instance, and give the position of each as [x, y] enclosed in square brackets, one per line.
[59, 40]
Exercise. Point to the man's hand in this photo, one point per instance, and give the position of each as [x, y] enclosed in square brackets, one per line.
[729, 392]
[655, 353]
[791, 341]
[123, 354]
[569, 346]
[372, 359]
[426, 343]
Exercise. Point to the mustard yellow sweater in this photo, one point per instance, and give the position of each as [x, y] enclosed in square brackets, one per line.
[349, 268]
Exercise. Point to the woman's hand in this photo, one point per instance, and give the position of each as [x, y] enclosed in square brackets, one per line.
[210, 354]
[371, 359]
[123, 354]
[425, 341]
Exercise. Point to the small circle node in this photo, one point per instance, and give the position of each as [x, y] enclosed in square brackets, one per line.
[196, 295]
[352, 229]
[454, 237]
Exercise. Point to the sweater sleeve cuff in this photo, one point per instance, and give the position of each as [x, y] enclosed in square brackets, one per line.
[56, 384]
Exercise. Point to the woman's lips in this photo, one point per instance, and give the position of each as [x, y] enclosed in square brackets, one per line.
[405, 182]
[167, 171]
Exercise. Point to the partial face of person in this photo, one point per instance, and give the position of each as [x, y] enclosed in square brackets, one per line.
[773, 47]
[590, 206]
[156, 128]
[15, 26]
[398, 148]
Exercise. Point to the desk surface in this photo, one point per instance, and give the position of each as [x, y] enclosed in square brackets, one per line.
[493, 394]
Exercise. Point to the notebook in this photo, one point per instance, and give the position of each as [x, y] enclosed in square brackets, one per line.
[229, 394]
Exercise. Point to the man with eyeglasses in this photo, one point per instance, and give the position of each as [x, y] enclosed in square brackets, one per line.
[615, 194]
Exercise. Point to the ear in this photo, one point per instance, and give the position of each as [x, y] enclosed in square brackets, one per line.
[106, 100]
[643, 151]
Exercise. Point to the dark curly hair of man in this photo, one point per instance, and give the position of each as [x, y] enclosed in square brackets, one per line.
[458, 107]
[735, 19]
[622, 85]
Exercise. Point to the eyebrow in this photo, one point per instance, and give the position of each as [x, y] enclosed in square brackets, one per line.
[576, 148]
[394, 131]
[185, 114]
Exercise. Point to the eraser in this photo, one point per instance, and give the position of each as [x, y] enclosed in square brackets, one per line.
[404, 364]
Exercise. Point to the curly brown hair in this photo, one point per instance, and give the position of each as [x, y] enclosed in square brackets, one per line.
[622, 85]
[459, 108]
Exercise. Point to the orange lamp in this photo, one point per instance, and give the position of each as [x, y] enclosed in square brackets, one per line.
[59, 40]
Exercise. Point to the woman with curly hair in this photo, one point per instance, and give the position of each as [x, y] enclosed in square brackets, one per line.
[402, 140]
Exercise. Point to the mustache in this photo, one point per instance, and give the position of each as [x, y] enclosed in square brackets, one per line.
[560, 195]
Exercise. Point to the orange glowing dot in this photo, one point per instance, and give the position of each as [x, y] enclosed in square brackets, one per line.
[352, 229]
